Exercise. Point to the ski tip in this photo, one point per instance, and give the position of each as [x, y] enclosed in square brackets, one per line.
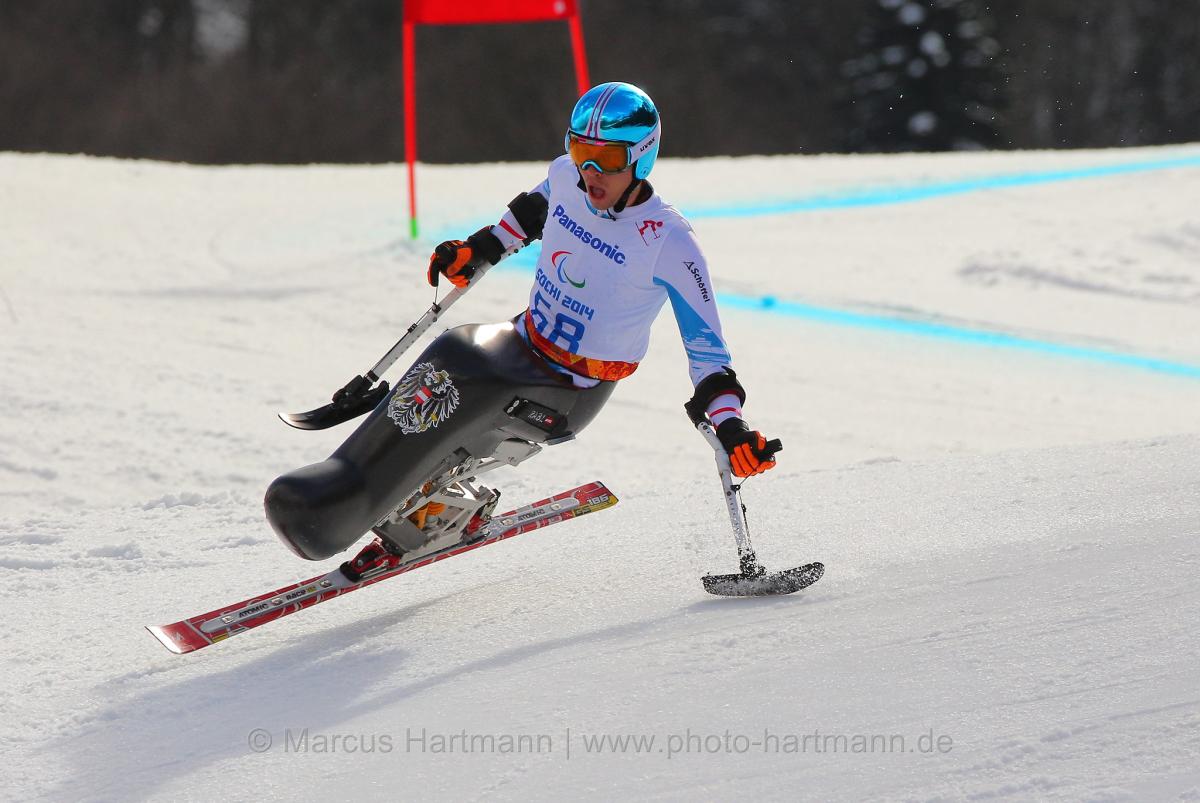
[177, 639]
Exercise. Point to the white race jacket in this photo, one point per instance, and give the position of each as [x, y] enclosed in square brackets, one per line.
[601, 281]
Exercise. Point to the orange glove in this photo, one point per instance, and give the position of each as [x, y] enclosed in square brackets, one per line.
[459, 260]
[749, 452]
[456, 260]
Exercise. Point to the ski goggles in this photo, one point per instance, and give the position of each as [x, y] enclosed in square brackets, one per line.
[607, 157]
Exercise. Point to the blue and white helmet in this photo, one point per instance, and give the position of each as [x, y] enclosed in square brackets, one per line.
[620, 112]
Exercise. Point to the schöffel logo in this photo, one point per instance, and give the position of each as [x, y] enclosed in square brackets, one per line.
[649, 230]
[692, 269]
[613, 252]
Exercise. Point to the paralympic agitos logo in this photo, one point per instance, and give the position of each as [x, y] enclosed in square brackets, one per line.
[559, 261]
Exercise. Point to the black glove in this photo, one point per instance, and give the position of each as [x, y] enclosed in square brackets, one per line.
[749, 452]
[458, 260]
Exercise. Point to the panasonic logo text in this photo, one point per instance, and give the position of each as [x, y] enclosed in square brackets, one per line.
[613, 252]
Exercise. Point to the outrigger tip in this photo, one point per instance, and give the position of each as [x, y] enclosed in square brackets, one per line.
[762, 583]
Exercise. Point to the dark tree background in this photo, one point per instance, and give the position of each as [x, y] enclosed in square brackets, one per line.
[928, 78]
[319, 80]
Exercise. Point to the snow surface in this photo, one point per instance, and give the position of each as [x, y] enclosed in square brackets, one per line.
[1010, 602]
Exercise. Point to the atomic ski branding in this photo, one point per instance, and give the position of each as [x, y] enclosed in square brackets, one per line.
[609, 250]
[424, 398]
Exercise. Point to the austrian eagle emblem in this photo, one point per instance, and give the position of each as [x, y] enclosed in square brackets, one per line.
[424, 398]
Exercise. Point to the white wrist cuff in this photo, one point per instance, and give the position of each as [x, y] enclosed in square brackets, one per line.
[723, 408]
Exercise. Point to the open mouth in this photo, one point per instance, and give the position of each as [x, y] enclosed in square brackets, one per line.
[596, 193]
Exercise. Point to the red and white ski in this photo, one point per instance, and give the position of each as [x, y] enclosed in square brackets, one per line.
[200, 631]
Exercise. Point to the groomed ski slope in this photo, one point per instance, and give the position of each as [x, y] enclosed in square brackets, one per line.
[1009, 518]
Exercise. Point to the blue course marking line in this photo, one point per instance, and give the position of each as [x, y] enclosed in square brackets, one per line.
[527, 259]
[849, 199]
[975, 337]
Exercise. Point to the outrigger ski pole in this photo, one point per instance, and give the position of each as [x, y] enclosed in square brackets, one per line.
[753, 580]
[361, 394]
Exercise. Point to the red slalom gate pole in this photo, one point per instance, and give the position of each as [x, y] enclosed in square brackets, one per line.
[408, 43]
[577, 48]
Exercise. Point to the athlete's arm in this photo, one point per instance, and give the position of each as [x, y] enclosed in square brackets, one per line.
[718, 396]
[524, 219]
[683, 272]
[521, 224]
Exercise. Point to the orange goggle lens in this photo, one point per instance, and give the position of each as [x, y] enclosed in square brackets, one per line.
[607, 157]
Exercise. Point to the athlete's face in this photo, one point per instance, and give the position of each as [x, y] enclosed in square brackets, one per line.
[604, 189]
